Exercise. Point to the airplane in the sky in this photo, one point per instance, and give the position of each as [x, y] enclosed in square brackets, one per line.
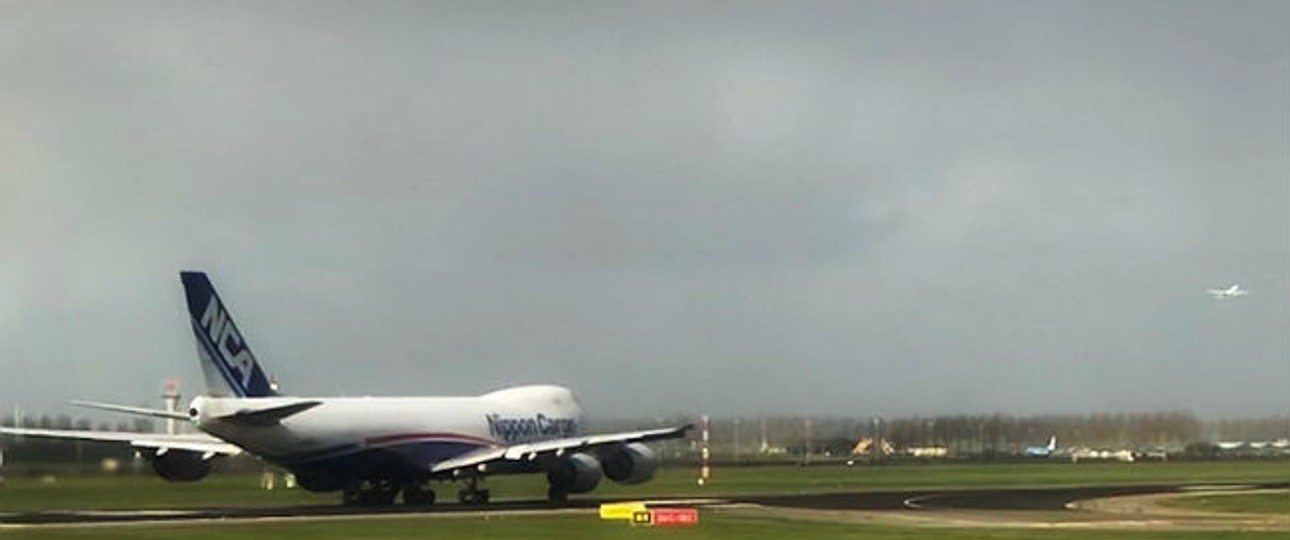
[372, 449]
[1042, 451]
[1235, 291]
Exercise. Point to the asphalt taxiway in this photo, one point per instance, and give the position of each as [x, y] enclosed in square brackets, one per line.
[1022, 499]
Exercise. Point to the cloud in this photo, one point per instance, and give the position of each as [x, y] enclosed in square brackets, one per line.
[839, 208]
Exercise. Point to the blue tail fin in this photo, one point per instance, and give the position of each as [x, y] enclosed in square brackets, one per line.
[227, 362]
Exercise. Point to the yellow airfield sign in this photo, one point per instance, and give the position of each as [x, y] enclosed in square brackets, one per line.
[621, 510]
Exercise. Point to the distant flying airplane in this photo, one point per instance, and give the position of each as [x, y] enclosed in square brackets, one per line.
[373, 448]
[1042, 451]
[1235, 291]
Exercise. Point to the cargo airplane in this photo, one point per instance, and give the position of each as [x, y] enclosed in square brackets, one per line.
[373, 449]
[1235, 291]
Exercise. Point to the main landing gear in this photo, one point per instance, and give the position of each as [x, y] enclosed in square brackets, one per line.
[384, 492]
[557, 496]
[370, 493]
[470, 493]
[418, 495]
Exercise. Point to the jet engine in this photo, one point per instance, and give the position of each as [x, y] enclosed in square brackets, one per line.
[630, 464]
[577, 473]
[181, 466]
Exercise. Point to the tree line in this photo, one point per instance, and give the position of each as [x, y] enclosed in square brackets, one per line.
[974, 434]
[66, 421]
[961, 434]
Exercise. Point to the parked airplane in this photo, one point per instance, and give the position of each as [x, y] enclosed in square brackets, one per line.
[1042, 451]
[1235, 291]
[373, 448]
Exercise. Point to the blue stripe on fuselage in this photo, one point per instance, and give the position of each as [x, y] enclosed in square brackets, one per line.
[409, 460]
[421, 452]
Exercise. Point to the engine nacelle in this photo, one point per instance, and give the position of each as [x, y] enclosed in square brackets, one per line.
[181, 466]
[630, 464]
[577, 473]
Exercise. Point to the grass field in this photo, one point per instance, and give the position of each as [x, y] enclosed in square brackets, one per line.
[147, 491]
[142, 491]
[1239, 503]
[714, 524]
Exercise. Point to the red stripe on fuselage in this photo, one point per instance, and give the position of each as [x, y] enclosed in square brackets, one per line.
[445, 437]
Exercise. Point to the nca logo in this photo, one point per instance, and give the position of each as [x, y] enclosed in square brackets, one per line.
[228, 343]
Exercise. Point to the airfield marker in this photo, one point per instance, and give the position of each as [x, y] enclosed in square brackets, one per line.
[625, 511]
[704, 453]
[659, 517]
[673, 517]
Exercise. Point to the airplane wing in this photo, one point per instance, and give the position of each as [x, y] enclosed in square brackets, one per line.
[159, 442]
[529, 451]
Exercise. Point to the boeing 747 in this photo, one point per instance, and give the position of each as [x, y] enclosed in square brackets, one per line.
[373, 449]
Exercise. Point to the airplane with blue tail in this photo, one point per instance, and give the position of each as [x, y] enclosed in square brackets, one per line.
[1042, 451]
[372, 449]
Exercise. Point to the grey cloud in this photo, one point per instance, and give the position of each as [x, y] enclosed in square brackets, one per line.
[822, 207]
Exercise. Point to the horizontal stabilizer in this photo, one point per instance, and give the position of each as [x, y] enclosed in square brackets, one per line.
[269, 416]
[140, 411]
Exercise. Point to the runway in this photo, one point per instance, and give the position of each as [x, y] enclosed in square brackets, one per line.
[910, 501]
[1017, 499]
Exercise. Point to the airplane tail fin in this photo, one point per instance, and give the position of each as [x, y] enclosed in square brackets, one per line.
[227, 363]
[1052, 443]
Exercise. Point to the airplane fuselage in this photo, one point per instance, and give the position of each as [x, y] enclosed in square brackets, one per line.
[391, 437]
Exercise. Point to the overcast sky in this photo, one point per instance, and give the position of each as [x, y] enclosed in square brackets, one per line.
[848, 208]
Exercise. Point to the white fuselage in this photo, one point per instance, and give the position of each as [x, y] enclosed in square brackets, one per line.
[420, 429]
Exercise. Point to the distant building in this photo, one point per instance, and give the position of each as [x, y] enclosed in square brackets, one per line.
[928, 451]
[1279, 447]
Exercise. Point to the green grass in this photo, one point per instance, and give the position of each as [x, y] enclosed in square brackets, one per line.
[102, 492]
[714, 524]
[147, 491]
[1239, 503]
[951, 476]
[144, 491]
